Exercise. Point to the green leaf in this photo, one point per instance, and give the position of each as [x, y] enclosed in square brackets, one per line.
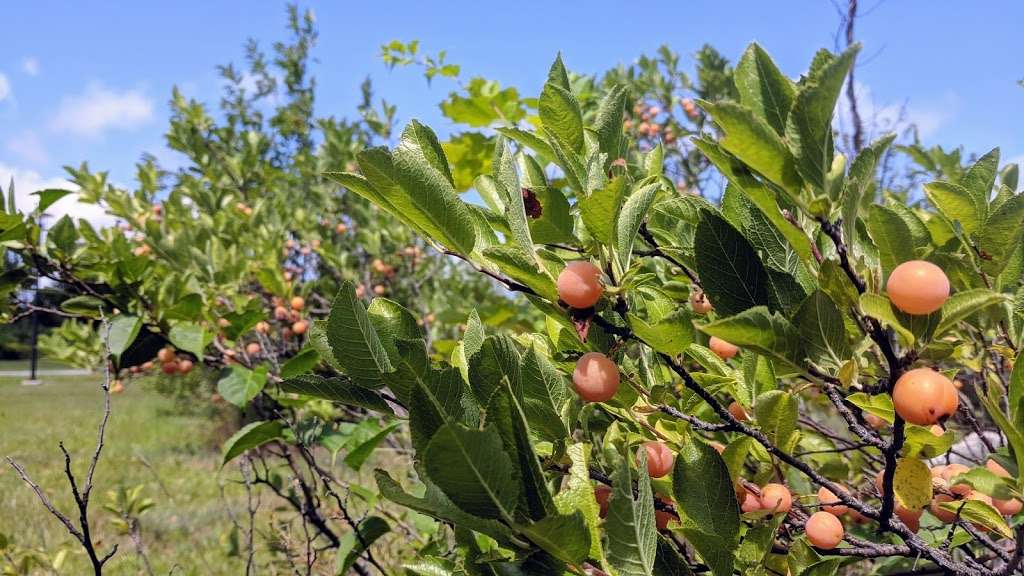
[1001, 235]
[753, 140]
[962, 305]
[879, 307]
[986, 482]
[763, 88]
[670, 335]
[470, 155]
[705, 496]
[122, 332]
[571, 164]
[555, 224]
[826, 567]
[484, 103]
[528, 139]
[301, 363]
[758, 193]
[188, 307]
[668, 560]
[427, 195]
[821, 326]
[361, 185]
[763, 332]
[337, 389]
[880, 405]
[48, 196]
[519, 266]
[357, 456]
[250, 436]
[435, 397]
[727, 265]
[435, 503]
[353, 545]
[238, 385]
[561, 116]
[983, 513]
[809, 126]
[1009, 176]
[632, 538]
[776, 413]
[564, 536]
[1013, 433]
[892, 236]
[472, 468]
[860, 182]
[577, 494]
[545, 394]
[63, 236]
[1015, 392]
[89, 306]
[189, 337]
[600, 210]
[354, 342]
[608, 122]
[980, 178]
[957, 204]
[630, 217]
[922, 443]
[912, 483]
[505, 412]
[392, 322]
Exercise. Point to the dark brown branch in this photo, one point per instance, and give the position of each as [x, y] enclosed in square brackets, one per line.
[82, 532]
[858, 128]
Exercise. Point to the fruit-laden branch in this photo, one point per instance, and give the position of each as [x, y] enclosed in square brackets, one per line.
[896, 364]
[82, 532]
[914, 545]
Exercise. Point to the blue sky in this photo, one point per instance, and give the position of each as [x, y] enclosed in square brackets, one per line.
[90, 80]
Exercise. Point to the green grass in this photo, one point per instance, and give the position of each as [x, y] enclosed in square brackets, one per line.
[189, 526]
[44, 364]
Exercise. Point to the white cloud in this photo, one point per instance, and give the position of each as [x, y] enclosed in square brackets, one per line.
[98, 109]
[28, 181]
[28, 147]
[30, 65]
[5, 87]
[929, 116]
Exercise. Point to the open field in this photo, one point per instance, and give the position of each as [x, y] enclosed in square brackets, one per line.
[175, 456]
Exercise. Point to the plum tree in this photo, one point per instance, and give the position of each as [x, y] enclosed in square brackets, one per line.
[917, 287]
[923, 396]
[824, 530]
[596, 377]
[579, 284]
[755, 201]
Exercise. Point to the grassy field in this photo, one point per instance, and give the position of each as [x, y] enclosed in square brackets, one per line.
[44, 364]
[174, 456]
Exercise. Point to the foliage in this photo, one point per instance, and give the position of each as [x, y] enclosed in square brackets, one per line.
[506, 459]
[794, 260]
